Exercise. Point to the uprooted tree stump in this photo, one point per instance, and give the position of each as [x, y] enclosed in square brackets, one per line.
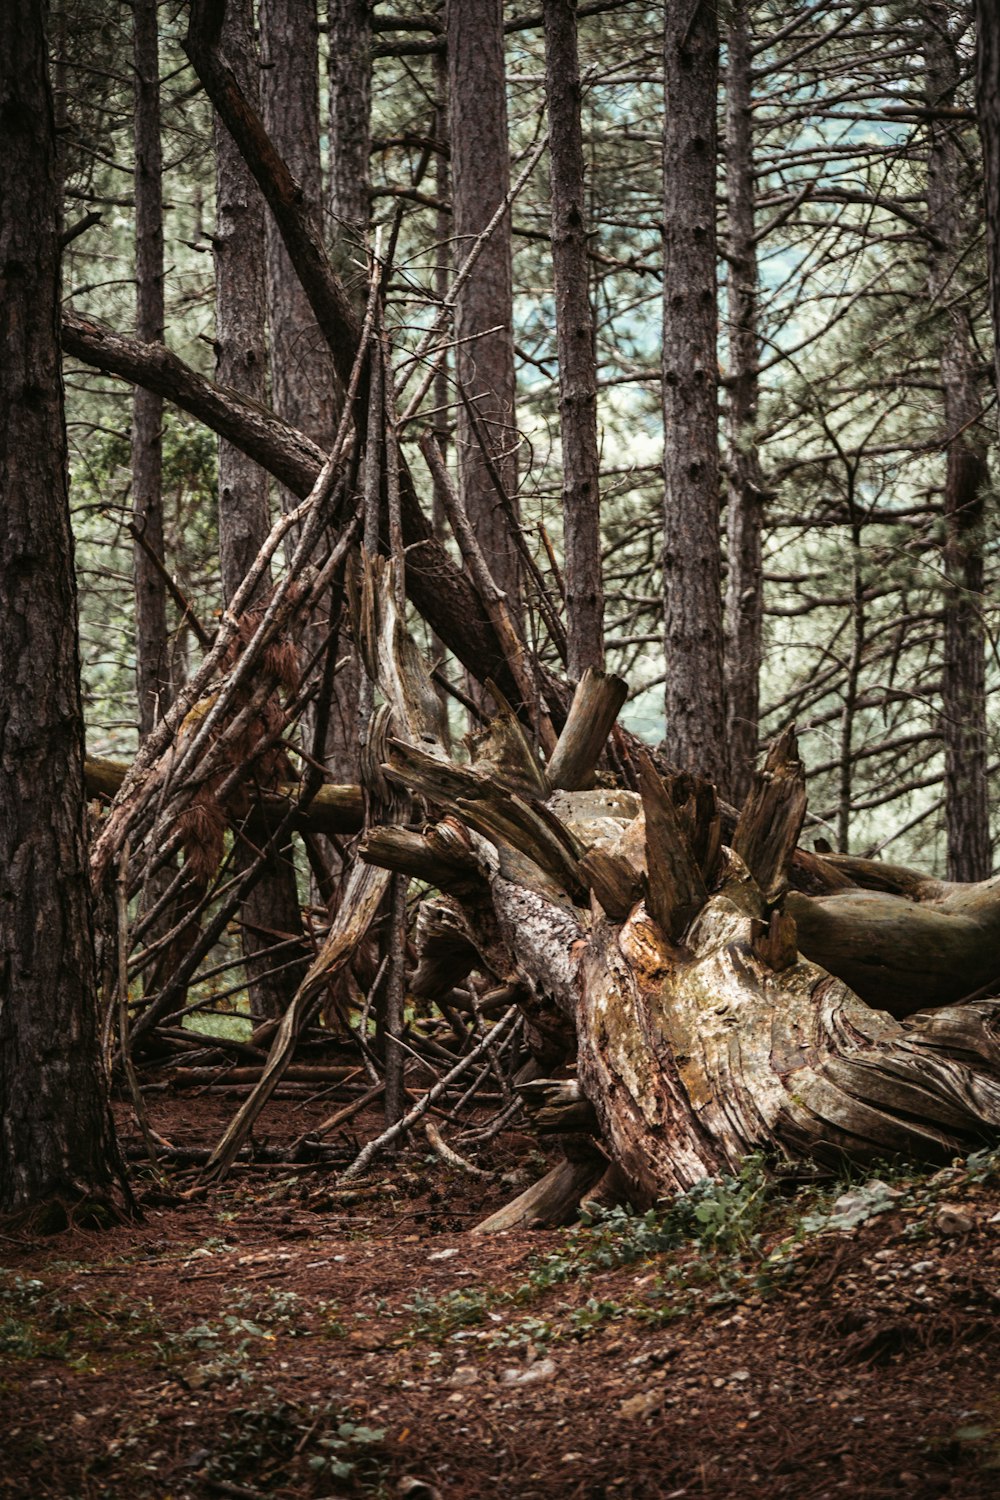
[702, 1001]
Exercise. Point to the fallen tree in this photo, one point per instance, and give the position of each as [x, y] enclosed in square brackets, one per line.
[333, 809]
[676, 974]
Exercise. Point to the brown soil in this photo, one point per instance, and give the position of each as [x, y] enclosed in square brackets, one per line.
[268, 1338]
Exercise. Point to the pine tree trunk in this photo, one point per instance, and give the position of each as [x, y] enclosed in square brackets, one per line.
[349, 201]
[56, 1137]
[694, 698]
[302, 382]
[240, 317]
[484, 361]
[271, 911]
[988, 111]
[152, 658]
[744, 584]
[304, 386]
[963, 685]
[575, 338]
[350, 78]
[443, 390]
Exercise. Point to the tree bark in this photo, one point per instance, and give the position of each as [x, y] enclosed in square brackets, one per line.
[581, 497]
[240, 318]
[334, 811]
[484, 360]
[963, 685]
[744, 481]
[695, 705]
[152, 660]
[350, 79]
[701, 1033]
[302, 375]
[271, 911]
[56, 1137]
[296, 219]
[440, 591]
[988, 112]
[349, 201]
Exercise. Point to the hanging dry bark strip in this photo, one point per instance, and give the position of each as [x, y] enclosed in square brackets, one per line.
[157, 765]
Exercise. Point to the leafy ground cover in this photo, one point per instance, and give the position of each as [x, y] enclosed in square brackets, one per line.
[758, 1336]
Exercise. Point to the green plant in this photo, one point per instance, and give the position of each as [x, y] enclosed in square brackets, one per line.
[721, 1215]
[21, 1290]
[977, 1437]
[593, 1313]
[724, 1213]
[343, 1449]
[276, 1443]
[984, 1165]
[20, 1339]
[437, 1317]
[522, 1332]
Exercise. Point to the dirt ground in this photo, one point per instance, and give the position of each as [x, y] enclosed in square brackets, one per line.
[269, 1337]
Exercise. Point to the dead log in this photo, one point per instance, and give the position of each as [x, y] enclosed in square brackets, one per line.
[934, 946]
[558, 1106]
[675, 885]
[450, 1157]
[226, 1073]
[769, 825]
[334, 810]
[551, 1201]
[596, 704]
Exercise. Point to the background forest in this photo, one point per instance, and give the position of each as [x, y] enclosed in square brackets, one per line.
[853, 488]
[498, 664]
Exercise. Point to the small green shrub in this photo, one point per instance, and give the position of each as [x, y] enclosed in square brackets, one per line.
[276, 1443]
[436, 1317]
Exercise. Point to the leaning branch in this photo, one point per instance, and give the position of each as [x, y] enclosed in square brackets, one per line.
[440, 592]
[296, 223]
[284, 452]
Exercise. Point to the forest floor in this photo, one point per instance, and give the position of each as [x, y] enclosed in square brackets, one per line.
[269, 1338]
